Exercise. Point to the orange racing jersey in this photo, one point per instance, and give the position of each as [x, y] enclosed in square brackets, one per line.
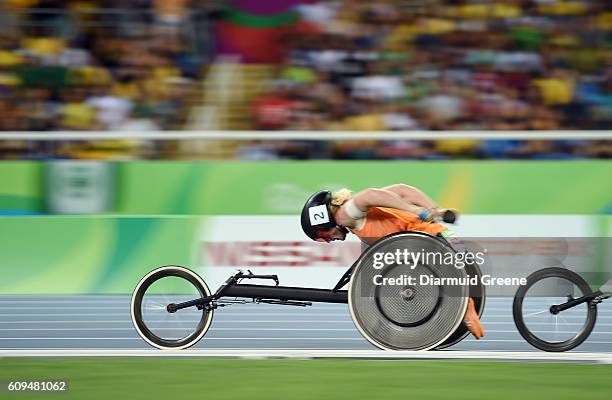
[382, 221]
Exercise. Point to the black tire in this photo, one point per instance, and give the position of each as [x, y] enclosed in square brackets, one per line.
[203, 316]
[517, 310]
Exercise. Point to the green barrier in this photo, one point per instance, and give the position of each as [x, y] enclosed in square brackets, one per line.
[473, 187]
[268, 188]
[22, 186]
[78, 255]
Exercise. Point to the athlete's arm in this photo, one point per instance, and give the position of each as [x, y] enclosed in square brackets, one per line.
[412, 195]
[370, 198]
[383, 198]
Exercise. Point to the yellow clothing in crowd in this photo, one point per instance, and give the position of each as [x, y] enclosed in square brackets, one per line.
[563, 8]
[44, 45]
[455, 146]
[129, 90]
[90, 76]
[77, 116]
[555, 91]
[485, 11]
[365, 122]
[437, 26]
[22, 3]
[405, 33]
[10, 59]
[604, 21]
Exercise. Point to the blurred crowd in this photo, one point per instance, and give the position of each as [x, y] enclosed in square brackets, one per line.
[390, 65]
[427, 149]
[445, 65]
[97, 64]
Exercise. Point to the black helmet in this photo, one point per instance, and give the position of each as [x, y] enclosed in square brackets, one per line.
[317, 214]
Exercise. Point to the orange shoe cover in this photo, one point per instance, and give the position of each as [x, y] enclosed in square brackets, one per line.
[472, 322]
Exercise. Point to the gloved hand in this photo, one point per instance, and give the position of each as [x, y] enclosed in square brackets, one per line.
[447, 215]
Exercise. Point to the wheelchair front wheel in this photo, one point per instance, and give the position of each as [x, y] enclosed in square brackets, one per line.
[533, 317]
[154, 323]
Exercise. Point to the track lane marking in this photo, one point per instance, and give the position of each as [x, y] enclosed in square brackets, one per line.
[469, 340]
[318, 353]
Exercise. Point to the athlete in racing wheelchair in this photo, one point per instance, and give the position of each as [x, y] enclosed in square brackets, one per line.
[172, 306]
[375, 213]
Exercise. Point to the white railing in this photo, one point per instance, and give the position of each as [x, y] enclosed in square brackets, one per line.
[301, 135]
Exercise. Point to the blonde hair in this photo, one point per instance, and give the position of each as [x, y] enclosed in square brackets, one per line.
[339, 198]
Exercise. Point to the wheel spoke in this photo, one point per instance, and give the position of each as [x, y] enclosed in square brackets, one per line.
[537, 313]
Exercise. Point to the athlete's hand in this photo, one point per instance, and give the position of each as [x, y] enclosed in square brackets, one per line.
[448, 215]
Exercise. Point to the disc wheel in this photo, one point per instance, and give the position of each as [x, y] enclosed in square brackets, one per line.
[149, 308]
[406, 315]
[534, 319]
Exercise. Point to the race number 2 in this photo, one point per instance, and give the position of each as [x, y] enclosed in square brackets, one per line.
[318, 215]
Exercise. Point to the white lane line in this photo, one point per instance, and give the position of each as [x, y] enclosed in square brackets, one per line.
[208, 338]
[471, 340]
[214, 329]
[515, 331]
[491, 319]
[241, 307]
[247, 304]
[128, 295]
[68, 315]
[224, 323]
[217, 328]
[344, 311]
[126, 298]
[175, 329]
[123, 304]
[216, 320]
[581, 317]
[222, 320]
[55, 301]
[65, 298]
[340, 339]
[161, 328]
[485, 322]
[237, 314]
[127, 309]
[317, 353]
[74, 308]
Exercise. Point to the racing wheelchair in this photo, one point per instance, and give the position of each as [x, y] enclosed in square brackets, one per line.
[172, 307]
